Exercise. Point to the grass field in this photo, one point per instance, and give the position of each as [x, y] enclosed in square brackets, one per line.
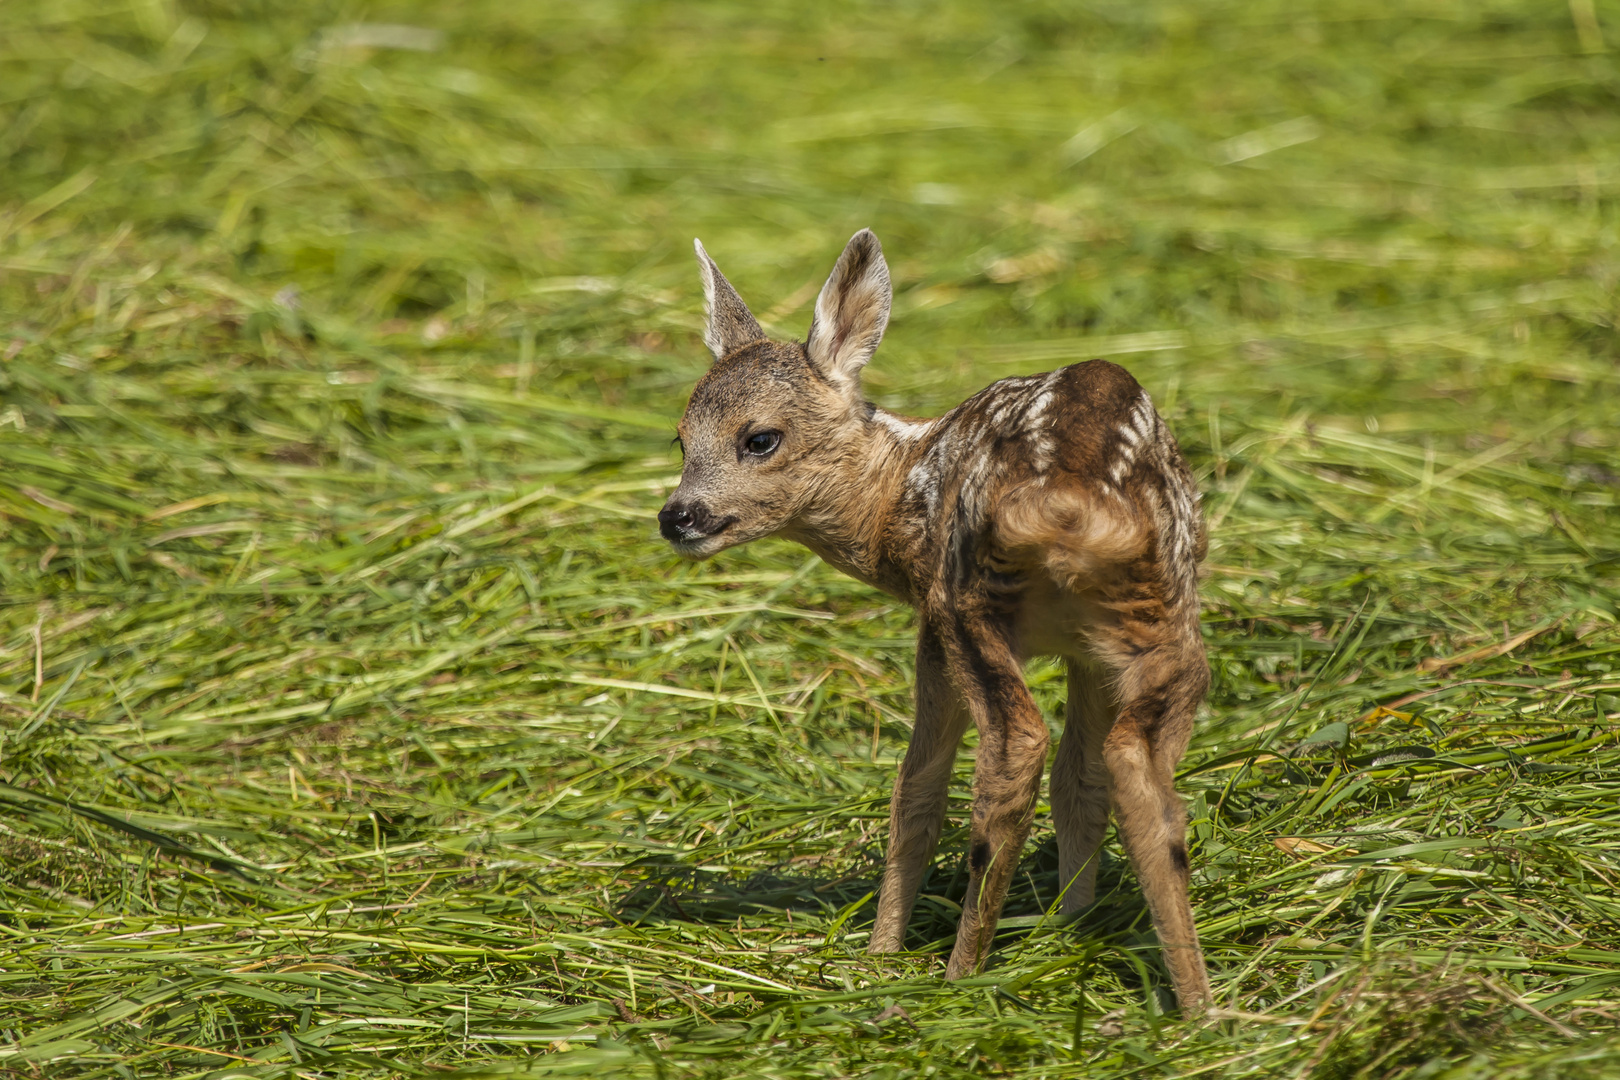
[355, 722]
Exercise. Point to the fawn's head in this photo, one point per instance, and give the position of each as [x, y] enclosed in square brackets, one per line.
[771, 421]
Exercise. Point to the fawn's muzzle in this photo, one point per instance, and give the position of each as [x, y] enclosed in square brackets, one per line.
[686, 522]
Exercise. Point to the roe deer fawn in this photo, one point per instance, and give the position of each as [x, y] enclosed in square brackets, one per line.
[1046, 515]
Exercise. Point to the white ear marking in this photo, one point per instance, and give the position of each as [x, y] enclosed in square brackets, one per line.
[727, 323]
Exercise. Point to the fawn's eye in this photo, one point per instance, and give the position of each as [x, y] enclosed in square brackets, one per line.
[762, 443]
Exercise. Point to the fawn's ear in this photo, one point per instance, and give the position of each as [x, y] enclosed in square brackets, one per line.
[728, 324]
[851, 312]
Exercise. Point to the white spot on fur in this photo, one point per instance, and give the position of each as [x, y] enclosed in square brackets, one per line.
[1125, 457]
[1044, 449]
[1139, 435]
[926, 477]
[1143, 418]
[904, 430]
[925, 482]
[977, 471]
[1039, 396]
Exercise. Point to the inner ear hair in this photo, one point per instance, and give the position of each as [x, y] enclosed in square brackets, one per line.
[851, 312]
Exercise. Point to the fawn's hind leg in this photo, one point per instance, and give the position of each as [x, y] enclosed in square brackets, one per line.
[1080, 784]
[1006, 778]
[917, 809]
[1159, 691]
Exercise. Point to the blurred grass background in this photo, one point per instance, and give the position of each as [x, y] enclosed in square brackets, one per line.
[354, 721]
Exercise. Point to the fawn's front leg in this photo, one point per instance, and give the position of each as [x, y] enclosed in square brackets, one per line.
[1006, 780]
[917, 809]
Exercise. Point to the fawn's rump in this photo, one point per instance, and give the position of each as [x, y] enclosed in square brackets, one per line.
[1079, 538]
[1111, 582]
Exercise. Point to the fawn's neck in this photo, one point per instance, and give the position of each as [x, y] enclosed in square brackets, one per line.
[852, 521]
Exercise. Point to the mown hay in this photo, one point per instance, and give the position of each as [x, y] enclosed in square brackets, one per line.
[353, 720]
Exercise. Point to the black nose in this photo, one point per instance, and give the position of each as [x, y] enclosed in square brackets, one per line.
[675, 522]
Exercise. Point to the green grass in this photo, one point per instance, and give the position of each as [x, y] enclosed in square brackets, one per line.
[355, 722]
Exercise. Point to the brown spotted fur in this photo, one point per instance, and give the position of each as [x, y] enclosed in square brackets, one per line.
[1046, 515]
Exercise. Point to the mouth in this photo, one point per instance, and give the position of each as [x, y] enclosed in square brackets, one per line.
[697, 542]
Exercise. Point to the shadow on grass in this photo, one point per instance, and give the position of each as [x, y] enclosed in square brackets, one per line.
[669, 890]
[672, 891]
[1115, 929]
